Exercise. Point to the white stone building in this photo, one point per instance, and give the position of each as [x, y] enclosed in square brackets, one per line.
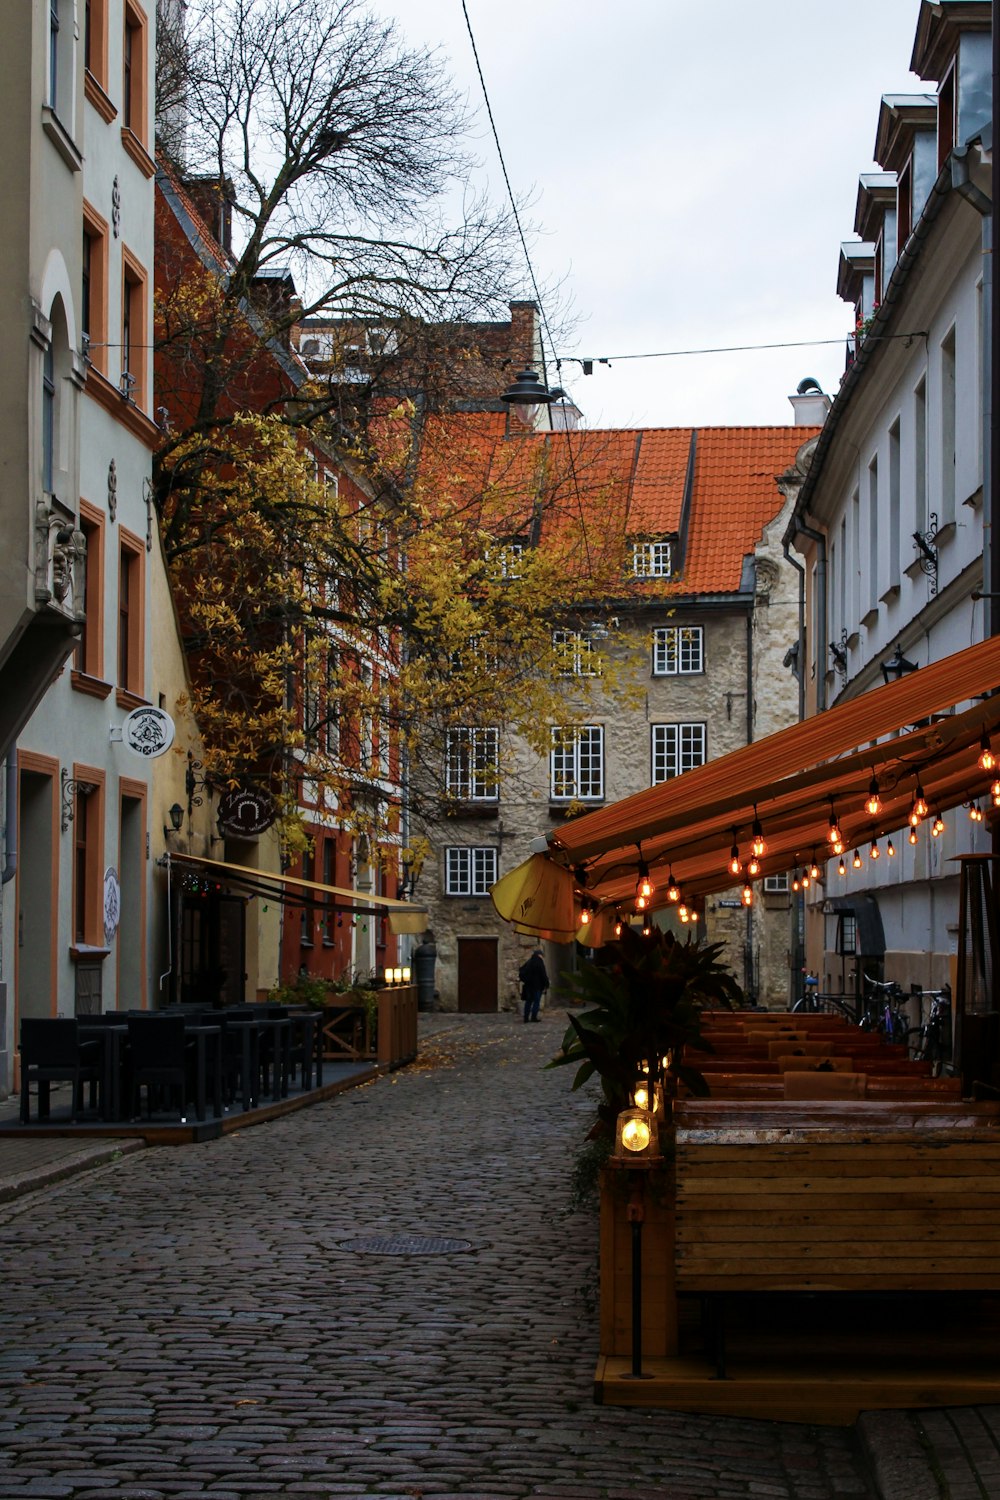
[891, 515]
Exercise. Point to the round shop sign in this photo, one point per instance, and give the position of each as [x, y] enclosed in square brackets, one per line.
[112, 903]
[244, 813]
[148, 731]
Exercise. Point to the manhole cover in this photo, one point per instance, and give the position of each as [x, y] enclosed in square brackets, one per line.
[405, 1244]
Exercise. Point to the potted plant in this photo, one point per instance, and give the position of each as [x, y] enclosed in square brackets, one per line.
[643, 998]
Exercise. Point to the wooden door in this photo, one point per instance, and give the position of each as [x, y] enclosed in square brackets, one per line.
[478, 988]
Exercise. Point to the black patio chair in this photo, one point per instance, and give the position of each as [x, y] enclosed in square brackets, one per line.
[52, 1052]
[159, 1053]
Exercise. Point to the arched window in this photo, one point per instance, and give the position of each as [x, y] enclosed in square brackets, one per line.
[48, 418]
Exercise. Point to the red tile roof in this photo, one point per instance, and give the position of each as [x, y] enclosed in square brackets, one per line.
[616, 484]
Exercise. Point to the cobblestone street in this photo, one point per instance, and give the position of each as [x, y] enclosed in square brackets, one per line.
[188, 1322]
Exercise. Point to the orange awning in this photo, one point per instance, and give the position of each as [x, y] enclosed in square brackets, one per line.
[688, 824]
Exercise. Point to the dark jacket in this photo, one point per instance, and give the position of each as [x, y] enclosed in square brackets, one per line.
[534, 975]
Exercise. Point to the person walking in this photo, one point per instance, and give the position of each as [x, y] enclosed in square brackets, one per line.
[534, 982]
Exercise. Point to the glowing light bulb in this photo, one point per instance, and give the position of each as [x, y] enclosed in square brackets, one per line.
[805, 880]
[937, 827]
[873, 802]
[874, 852]
[747, 895]
[753, 865]
[635, 1135]
[814, 871]
[890, 849]
[585, 917]
[641, 903]
[856, 861]
[838, 847]
[912, 836]
[920, 802]
[841, 868]
[987, 760]
[795, 881]
[641, 1096]
[734, 860]
[673, 889]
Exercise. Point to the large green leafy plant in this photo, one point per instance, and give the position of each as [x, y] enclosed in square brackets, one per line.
[643, 998]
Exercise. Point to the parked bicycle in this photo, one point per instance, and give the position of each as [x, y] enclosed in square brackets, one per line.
[931, 1040]
[882, 1009]
[814, 1003]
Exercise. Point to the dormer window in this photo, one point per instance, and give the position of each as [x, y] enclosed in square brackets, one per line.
[651, 558]
[904, 207]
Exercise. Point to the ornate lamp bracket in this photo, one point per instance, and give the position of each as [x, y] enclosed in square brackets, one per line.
[72, 787]
[838, 650]
[926, 545]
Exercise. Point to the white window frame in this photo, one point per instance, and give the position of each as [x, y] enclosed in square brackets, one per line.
[470, 870]
[676, 748]
[776, 884]
[652, 558]
[505, 561]
[472, 763]
[678, 650]
[575, 654]
[576, 763]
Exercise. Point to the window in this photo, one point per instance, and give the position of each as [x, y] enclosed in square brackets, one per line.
[472, 764]
[95, 49]
[307, 915]
[54, 54]
[469, 872]
[575, 655]
[134, 71]
[133, 351]
[329, 878]
[131, 612]
[856, 557]
[48, 419]
[948, 426]
[678, 648]
[847, 934]
[94, 289]
[367, 735]
[576, 763]
[920, 455]
[651, 559]
[88, 856]
[384, 759]
[90, 646]
[677, 748]
[332, 703]
[894, 503]
[505, 560]
[776, 883]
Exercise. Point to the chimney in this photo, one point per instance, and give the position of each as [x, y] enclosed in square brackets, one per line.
[810, 403]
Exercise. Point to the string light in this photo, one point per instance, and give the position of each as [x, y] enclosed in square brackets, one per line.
[873, 802]
[644, 886]
[805, 880]
[795, 880]
[987, 760]
[919, 804]
[673, 889]
[647, 925]
[890, 849]
[813, 868]
[753, 865]
[912, 836]
[874, 852]
[937, 827]
[841, 868]
[833, 832]
[757, 840]
[683, 913]
[975, 812]
[747, 895]
[618, 923]
[838, 847]
[734, 856]
[856, 861]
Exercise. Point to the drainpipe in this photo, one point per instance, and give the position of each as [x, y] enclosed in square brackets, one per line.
[10, 808]
[748, 969]
[819, 538]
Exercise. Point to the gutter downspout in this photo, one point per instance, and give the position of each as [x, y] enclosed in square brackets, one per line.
[819, 538]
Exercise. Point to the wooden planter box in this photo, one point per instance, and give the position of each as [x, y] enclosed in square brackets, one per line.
[659, 1297]
[347, 1030]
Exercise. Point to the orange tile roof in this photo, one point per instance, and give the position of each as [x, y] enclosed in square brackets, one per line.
[614, 484]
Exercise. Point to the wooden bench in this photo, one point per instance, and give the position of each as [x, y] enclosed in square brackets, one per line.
[868, 1196]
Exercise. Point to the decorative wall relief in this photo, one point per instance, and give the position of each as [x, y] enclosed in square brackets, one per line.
[112, 489]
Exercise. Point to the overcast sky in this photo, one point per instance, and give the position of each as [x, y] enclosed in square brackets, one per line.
[693, 166]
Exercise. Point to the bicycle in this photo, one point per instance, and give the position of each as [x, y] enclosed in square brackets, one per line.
[813, 1003]
[933, 1035]
[882, 1011]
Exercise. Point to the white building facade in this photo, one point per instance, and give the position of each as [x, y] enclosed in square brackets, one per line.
[891, 515]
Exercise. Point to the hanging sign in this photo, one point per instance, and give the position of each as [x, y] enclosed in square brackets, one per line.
[112, 904]
[148, 731]
[246, 812]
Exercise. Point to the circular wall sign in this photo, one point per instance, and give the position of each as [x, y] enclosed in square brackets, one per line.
[244, 813]
[148, 731]
[112, 903]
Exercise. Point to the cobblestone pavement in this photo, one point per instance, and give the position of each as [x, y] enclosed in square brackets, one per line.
[192, 1322]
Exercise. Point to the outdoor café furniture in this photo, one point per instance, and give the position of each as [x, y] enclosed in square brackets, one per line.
[170, 1053]
[53, 1051]
[108, 1033]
